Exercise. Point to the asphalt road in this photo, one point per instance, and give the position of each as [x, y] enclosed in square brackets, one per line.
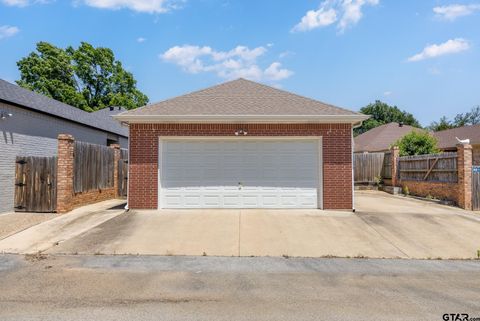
[213, 288]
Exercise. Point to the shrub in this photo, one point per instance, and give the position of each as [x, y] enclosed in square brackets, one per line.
[378, 180]
[417, 143]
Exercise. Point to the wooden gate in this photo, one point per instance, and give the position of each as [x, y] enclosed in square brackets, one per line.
[35, 184]
[122, 177]
[476, 188]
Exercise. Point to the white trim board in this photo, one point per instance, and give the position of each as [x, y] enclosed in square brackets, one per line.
[242, 119]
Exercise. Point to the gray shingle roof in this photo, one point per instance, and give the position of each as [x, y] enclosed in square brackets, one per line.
[31, 100]
[382, 137]
[446, 138]
[239, 98]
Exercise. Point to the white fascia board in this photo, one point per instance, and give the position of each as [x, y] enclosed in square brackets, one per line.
[244, 119]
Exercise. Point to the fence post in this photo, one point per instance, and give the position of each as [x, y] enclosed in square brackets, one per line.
[116, 158]
[464, 165]
[65, 165]
[395, 154]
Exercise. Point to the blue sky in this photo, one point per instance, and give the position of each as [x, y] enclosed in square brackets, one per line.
[422, 56]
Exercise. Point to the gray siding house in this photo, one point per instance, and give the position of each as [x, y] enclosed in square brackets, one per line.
[30, 124]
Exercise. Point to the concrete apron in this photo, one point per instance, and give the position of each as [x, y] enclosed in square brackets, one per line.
[43, 236]
[296, 233]
[382, 227]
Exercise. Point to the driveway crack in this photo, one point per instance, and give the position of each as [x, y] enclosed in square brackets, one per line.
[381, 235]
[239, 229]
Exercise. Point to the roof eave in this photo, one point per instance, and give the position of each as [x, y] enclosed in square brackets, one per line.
[149, 119]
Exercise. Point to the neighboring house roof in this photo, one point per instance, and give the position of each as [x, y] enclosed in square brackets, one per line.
[446, 138]
[382, 137]
[105, 115]
[239, 99]
[17, 95]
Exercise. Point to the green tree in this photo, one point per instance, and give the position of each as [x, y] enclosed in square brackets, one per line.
[86, 77]
[417, 143]
[382, 113]
[463, 119]
[469, 118]
[442, 124]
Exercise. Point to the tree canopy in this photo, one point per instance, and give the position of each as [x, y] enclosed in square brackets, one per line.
[463, 119]
[382, 113]
[442, 124]
[86, 77]
[417, 143]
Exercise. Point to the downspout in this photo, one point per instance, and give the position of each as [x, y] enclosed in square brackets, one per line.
[128, 170]
[353, 169]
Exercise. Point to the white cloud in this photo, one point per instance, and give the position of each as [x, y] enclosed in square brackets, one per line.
[275, 72]
[240, 62]
[8, 31]
[141, 39]
[23, 3]
[387, 93]
[315, 19]
[285, 54]
[16, 3]
[353, 12]
[148, 6]
[450, 47]
[454, 11]
[345, 12]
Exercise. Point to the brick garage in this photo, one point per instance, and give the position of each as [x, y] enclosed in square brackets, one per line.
[233, 113]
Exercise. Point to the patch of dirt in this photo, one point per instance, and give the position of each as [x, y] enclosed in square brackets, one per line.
[35, 257]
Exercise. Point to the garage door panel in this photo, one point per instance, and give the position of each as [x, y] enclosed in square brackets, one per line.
[232, 200]
[269, 200]
[206, 174]
[212, 201]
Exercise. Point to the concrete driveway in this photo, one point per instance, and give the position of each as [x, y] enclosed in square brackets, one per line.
[384, 226]
[43, 236]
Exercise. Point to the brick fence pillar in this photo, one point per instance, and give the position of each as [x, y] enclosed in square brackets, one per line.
[65, 164]
[116, 158]
[464, 165]
[395, 155]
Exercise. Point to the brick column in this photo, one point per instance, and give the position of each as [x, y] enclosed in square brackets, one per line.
[116, 158]
[65, 164]
[464, 165]
[395, 155]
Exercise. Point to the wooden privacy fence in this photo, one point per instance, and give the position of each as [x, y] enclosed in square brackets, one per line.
[367, 167]
[387, 166]
[430, 168]
[93, 167]
[35, 184]
[123, 173]
[476, 188]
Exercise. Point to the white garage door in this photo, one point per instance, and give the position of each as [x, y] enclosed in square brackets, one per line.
[239, 173]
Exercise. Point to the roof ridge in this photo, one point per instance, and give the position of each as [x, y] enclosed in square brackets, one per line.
[247, 81]
[182, 95]
[298, 95]
[445, 130]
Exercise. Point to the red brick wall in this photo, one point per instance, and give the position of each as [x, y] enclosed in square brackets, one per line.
[67, 199]
[459, 192]
[337, 157]
[91, 197]
[439, 190]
